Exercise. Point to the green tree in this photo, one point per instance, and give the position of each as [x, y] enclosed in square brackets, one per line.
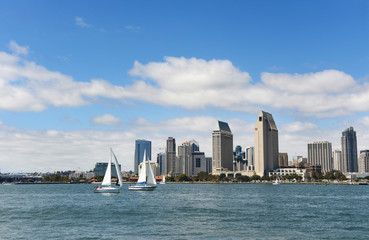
[243, 179]
[182, 178]
[255, 177]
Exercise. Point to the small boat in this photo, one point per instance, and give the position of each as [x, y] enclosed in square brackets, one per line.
[146, 182]
[163, 181]
[277, 181]
[106, 185]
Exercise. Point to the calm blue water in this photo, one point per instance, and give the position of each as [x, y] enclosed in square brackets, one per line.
[185, 211]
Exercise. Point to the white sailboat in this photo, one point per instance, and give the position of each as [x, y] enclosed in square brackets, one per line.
[163, 181]
[106, 186]
[145, 182]
[277, 181]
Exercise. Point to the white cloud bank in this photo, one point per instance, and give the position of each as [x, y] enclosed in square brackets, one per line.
[81, 23]
[106, 120]
[189, 83]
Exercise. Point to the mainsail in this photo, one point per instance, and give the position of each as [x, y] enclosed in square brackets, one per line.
[107, 178]
[142, 177]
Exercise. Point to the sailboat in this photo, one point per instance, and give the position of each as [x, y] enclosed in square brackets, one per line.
[145, 183]
[106, 186]
[163, 181]
[277, 181]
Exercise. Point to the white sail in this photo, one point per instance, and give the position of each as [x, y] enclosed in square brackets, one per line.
[151, 178]
[142, 177]
[117, 168]
[107, 178]
[163, 181]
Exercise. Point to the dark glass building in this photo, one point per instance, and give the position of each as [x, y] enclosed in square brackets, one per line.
[141, 147]
[349, 150]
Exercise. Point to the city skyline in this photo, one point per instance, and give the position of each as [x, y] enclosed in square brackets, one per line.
[75, 81]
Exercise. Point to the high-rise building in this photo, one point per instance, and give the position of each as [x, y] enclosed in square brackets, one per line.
[141, 146]
[183, 159]
[190, 160]
[222, 144]
[170, 156]
[250, 159]
[320, 153]
[161, 162]
[209, 164]
[239, 159]
[266, 144]
[349, 150]
[337, 160]
[363, 164]
[283, 160]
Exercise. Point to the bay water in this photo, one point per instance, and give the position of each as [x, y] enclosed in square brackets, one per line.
[185, 211]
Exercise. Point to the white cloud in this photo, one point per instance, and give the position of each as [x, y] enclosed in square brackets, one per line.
[80, 22]
[188, 83]
[133, 28]
[328, 81]
[17, 49]
[26, 86]
[106, 120]
[298, 127]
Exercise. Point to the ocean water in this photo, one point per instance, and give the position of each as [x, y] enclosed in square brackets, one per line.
[185, 211]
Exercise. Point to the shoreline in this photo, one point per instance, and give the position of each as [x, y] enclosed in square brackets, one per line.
[282, 183]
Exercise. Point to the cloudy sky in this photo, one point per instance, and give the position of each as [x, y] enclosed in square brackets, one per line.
[77, 78]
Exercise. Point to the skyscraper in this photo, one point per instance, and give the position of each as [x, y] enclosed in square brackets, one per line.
[222, 144]
[363, 164]
[140, 147]
[349, 150]
[170, 156]
[266, 144]
[337, 160]
[186, 161]
[283, 160]
[161, 162]
[320, 153]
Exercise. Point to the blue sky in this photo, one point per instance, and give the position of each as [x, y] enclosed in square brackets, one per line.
[79, 76]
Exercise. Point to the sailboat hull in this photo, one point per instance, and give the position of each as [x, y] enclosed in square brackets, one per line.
[107, 190]
[142, 187]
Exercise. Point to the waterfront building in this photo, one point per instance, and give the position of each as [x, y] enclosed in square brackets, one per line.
[170, 157]
[184, 159]
[349, 150]
[222, 148]
[250, 159]
[320, 153]
[161, 161]
[100, 169]
[190, 160]
[266, 144]
[199, 163]
[239, 161]
[363, 164]
[337, 160]
[283, 160]
[209, 164]
[289, 171]
[141, 146]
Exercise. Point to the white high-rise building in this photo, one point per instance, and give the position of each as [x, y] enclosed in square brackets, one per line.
[364, 161]
[222, 144]
[337, 160]
[266, 144]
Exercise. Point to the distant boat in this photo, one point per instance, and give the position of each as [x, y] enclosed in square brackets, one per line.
[106, 186]
[277, 181]
[144, 183]
[163, 181]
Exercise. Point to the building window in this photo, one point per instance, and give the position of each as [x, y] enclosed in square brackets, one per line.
[198, 162]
